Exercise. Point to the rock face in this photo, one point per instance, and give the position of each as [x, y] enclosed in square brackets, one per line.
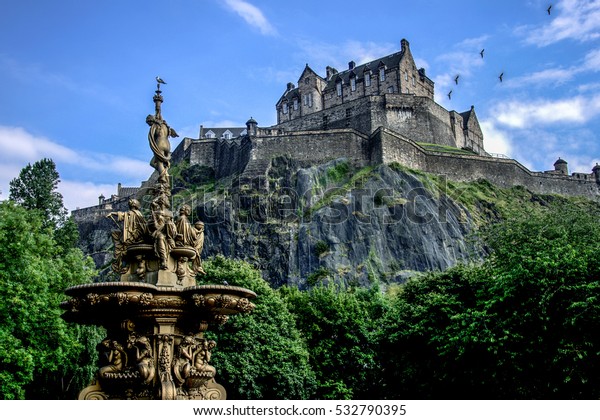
[331, 222]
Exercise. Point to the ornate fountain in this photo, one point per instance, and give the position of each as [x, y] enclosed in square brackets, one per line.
[155, 316]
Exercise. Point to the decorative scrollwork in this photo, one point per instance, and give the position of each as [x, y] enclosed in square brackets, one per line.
[93, 298]
[244, 305]
[199, 300]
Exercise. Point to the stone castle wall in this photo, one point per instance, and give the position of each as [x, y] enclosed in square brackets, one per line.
[388, 147]
[251, 157]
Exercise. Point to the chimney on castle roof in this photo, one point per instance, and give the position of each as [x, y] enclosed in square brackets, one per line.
[403, 45]
[351, 65]
[330, 71]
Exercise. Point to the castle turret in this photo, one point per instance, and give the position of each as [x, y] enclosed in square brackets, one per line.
[251, 125]
[101, 199]
[561, 166]
[596, 172]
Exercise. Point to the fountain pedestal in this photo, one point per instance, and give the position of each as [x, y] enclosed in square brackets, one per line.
[155, 346]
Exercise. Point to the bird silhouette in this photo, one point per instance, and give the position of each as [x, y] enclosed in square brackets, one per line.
[549, 8]
[159, 80]
[225, 283]
[450, 95]
[481, 52]
[501, 76]
[456, 79]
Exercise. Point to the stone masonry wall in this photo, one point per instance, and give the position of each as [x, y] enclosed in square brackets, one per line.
[312, 148]
[389, 147]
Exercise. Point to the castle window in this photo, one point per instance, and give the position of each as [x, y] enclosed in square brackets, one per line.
[285, 107]
[210, 134]
[406, 76]
[295, 103]
[338, 86]
[381, 74]
[227, 135]
[310, 98]
[414, 80]
[307, 81]
[353, 84]
[367, 79]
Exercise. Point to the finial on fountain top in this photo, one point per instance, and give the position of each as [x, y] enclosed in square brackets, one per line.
[158, 137]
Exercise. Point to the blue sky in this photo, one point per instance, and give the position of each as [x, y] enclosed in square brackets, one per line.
[78, 75]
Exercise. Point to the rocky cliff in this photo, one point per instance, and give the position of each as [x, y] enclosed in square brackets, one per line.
[332, 222]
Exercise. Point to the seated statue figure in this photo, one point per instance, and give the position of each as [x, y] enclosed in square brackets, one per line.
[134, 231]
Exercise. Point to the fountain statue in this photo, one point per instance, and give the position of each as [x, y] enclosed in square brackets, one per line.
[155, 316]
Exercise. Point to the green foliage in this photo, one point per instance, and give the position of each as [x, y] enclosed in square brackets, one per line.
[340, 327]
[40, 354]
[259, 355]
[321, 247]
[318, 275]
[521, 325]
[339, 172]
[35, 189]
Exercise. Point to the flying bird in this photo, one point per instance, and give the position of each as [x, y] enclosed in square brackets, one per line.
[481, 52]
[456, 79]
[159, 80]
[501, 76]
[549, 8]
[450, 95]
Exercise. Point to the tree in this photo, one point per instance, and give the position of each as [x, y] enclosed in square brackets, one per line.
[260, 355]
[340, 326]
[41, 356]
[523, 324]
[35, 189]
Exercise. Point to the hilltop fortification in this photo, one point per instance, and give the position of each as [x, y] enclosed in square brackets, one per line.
[378, 112]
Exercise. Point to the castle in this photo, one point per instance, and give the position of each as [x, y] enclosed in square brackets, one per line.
[377, 112]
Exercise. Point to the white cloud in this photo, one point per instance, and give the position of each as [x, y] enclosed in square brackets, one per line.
[495, 140]
[461, 61]
[570, 19]
[84, 194]
[521, 114]
[319, 54]
[252, 15]
[21, 148]
[558, 76]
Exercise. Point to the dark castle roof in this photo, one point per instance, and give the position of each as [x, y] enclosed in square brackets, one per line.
[389, 61]
[219, 132]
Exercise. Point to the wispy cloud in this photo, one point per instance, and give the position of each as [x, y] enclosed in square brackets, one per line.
[462, 60]
[252, 15]
[495, 139]
[520, 114]
[21, 147]
[561, 75]
[570, 19]
[320, 54]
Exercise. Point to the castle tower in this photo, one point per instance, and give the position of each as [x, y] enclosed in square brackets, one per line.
[561, 166]
[251, 125]
[596, 172]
